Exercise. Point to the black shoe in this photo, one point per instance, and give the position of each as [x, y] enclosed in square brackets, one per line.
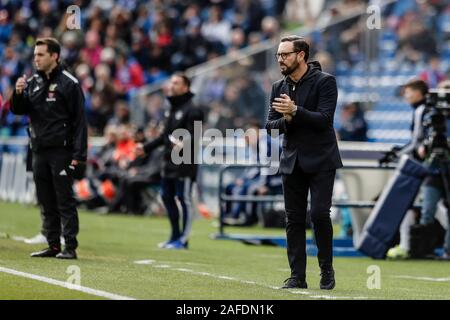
[327, 281]
[50, 252]
[67, 254]
[294, 283]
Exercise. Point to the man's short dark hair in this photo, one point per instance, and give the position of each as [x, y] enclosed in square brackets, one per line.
[299, 43]
[417, 84]
[52, 44]
[185, 78]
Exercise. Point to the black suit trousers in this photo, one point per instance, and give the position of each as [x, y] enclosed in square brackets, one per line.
[295, 189]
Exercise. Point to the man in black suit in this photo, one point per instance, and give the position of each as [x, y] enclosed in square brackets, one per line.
[302, 107]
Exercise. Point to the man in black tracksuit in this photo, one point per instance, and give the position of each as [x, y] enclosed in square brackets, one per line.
[177, 178]
[302, 107]
[54, 101]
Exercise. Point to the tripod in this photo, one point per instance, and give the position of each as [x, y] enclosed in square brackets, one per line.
[441, 157]
[423, 234]
[435, 122]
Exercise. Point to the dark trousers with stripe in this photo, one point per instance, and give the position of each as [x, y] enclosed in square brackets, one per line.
[53, 179]
[180, 190]
[295, 189]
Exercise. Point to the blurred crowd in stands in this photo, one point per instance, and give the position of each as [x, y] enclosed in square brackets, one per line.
[125, 45]
[117, 179]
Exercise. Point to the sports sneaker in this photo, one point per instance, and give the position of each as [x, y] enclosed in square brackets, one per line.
[177, 244]
[446, 255]
[397, 253]
[163, 245]
[229, 221]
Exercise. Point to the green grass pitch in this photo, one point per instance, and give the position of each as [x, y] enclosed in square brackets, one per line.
[210, 269]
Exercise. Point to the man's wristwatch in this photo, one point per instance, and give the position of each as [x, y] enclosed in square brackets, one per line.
[295, 111]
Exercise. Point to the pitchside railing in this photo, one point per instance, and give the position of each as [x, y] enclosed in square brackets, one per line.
[359, 180]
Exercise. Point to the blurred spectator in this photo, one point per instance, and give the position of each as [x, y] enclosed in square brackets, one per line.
[129, 75]
[192, 48]
[304, 12]
[154, 108]
[6, 26]
[93, 48]
[21, 25]
[69, 48]
[104, 156]
[11, 67]
[84, 77]
[432, 76]
[121, 114]
[237, 39]
[250, 99]
[415, 41]
[96, 115]
[219, 117]
[326, 61]
[248, 15]
[214, 88]
[216, 28]
[104, 87]
[163, 35]
[353, 126]
[108, 56]
[48, 15]
[270, 28]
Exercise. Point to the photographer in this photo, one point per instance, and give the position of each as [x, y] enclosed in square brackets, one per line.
[434, 188]
[414, 92]
[424, 146]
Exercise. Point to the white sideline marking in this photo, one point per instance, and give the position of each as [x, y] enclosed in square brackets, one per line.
[300, 292]
[156, 264]
[326, 297]
[424, 278]
[66, 285]
[162, 266]
[144, 261]
[175, 262]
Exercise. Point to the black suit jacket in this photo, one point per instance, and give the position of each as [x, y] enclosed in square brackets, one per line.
[309, 139]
